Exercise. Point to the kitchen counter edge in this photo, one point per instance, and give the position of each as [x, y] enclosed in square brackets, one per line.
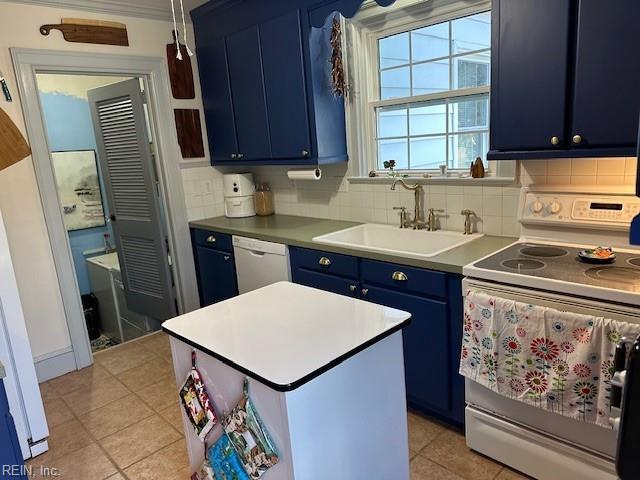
[298, 231]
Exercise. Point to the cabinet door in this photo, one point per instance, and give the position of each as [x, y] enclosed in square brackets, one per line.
[606, 99]
[284, 81]
[10, 453]
[530, 58]
[216, 96]
[426, 347]
[216, 276]
[247, 91]
[328, 283]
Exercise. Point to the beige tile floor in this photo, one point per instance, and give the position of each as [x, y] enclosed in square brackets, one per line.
[120, 419]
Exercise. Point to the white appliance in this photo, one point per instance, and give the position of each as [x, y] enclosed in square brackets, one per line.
[21, 383]
[239, 191]
[542, 269]
[259, 263]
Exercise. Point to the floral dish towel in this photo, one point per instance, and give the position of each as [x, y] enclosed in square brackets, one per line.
[558, 361]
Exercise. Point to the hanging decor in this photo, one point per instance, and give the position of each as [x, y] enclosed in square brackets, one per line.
[196, 402]
[180, 72]
[337, 67]
[80, 30]
[179, 55]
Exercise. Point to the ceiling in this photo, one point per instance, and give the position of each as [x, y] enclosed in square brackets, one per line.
[156, 9]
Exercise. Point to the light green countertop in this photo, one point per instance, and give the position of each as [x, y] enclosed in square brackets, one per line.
[298, 231]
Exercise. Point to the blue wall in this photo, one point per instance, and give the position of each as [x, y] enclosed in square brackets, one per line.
[69, 127]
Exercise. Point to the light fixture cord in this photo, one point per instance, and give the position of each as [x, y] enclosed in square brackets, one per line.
[175, 32]
[184, 30]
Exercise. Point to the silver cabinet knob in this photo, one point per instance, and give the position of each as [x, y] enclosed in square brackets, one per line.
[305, 153]
[555, 140]
[234, 156]
[324, 261]
[577, 139]
[211, 239]
[365, 292]
[241, 155]
[226, 258]
[352, 288]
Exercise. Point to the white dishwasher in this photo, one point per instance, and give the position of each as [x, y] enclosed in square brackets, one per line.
[259, 263]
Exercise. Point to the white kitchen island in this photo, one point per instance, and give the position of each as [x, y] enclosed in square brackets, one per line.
[326, 374]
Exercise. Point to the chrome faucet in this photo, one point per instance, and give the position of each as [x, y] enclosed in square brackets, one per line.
[432, 219]
[418, 222]
[468, 227]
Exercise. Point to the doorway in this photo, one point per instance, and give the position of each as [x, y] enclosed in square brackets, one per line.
[96, 165]
[175, 238]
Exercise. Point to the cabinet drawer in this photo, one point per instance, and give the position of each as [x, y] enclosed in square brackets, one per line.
[333, 263]
[328, 283]
[406, 279]
[219, 241]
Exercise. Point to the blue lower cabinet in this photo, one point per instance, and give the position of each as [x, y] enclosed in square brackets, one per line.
[432, 340]
[11, 463]
[426, 347]
[216, 273]
[328, 283]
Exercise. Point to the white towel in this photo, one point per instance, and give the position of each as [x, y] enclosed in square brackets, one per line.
[558, 361]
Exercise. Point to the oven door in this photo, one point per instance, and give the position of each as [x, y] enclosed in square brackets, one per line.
[588, 437]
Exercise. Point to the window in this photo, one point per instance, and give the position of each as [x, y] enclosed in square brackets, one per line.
[433, 103]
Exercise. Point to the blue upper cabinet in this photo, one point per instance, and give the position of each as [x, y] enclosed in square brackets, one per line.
[265, 77]
[218, 109]
[248, 94]
[564, 78]
[281, 38]
[606, 96]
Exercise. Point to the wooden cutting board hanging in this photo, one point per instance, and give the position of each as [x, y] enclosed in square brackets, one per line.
[13, 146]
[180, 72]
[79, 30]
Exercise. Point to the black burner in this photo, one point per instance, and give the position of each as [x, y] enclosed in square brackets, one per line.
[615, 274]
[523, 264]
[634, 261]
[543, 251]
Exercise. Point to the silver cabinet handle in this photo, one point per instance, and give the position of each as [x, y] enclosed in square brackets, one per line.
[211, 239]
[352, 288]
[305, 153]
[241, 155]
[399, 276]
[324, 261]
[234, 156]
[577, 139]
[365, 292]
[555, 140]
[226, 258]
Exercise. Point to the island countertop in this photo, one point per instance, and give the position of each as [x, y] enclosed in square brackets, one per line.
[285, 334]
[299, 232]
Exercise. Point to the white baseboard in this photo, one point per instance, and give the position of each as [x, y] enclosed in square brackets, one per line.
[55, 364]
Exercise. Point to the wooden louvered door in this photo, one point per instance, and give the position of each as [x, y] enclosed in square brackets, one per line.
[127, 166]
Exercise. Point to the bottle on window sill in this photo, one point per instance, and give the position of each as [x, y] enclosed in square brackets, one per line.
[477, 168]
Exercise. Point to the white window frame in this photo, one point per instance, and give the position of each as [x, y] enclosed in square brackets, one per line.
[362, 34]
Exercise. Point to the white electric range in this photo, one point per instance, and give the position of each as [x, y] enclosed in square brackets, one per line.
[542, 268]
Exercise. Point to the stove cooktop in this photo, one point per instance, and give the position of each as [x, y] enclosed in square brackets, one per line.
[561, 263]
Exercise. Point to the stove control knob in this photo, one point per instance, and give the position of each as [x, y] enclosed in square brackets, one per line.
[537, 206]
[555, 207]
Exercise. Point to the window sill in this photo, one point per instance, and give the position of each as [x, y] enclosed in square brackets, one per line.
[468, 181]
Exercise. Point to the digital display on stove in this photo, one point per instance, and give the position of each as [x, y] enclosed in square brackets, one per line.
[606, 206]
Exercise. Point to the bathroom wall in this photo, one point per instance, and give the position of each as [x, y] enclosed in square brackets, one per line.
[69, 127]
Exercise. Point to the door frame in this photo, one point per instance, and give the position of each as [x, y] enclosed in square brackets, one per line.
[27, 63]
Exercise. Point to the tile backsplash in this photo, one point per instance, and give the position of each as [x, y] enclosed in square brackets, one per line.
[496, 207]
[580, 171]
